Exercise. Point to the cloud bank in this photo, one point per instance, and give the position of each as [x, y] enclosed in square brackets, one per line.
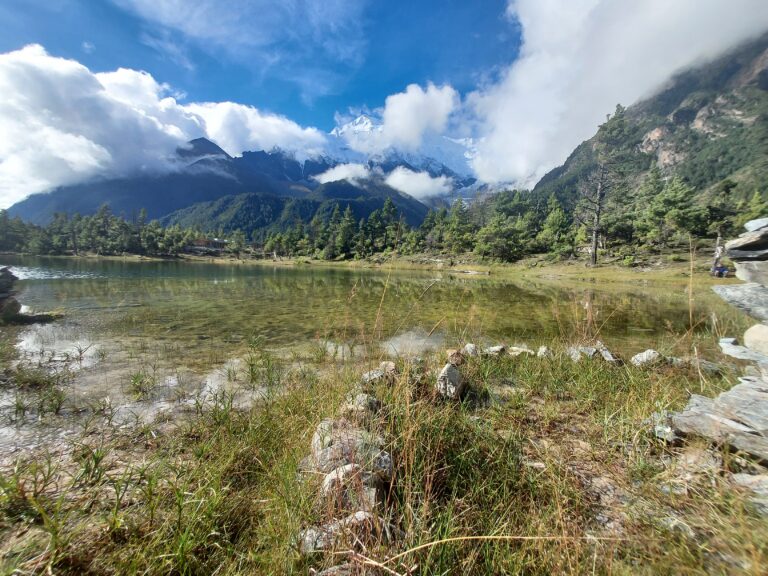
[418, 184]
[62, 124]
[351, 172]
[407, 117]
[579, 58]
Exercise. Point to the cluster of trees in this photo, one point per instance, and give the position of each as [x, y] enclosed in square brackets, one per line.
[660, 214]
[101, 233]
[340, 236]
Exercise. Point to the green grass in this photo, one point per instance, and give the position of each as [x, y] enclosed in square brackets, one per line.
[504, 479]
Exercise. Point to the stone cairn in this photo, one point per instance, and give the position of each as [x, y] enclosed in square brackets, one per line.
[349, 453]
[738, 418]
[9, 306]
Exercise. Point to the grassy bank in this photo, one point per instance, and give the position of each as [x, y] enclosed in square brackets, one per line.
[547, 466]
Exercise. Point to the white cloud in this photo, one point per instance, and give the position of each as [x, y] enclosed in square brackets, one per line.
[407, 117]
[580, 58]
[236, 127]
[351, 172]
[87, 47]
[418, 184]
[62, 124]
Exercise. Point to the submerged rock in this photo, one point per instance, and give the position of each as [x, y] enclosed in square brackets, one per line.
[646, 358]
[450, 382]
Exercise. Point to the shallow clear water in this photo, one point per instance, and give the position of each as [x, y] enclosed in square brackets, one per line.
[186, 327]
[199, 307]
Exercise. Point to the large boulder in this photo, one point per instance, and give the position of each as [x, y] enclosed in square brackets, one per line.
[751, 297]
[753, 271]
[737, 418]
[9, 308]
[749, 246]
[450, 382]
[756, 339]
[754, 225]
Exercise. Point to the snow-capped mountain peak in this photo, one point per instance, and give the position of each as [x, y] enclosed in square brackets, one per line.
[363, 124]
[360, 140]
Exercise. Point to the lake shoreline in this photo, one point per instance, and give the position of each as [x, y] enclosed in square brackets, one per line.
[670, 268]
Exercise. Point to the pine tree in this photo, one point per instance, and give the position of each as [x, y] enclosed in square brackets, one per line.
[346, 232]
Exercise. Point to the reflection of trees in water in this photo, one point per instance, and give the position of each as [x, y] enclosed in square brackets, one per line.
[189, 301]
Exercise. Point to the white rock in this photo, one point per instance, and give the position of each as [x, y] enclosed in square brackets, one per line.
[450, 383]
[576, 352]
[359, 528]
[470, 350]
[754, 225]
[351, 487]
[756, 339]
[646, 358]
[729, 347]
[360, 405]
[605, 353]
[544, 352]
[516, 351]
[494, 350]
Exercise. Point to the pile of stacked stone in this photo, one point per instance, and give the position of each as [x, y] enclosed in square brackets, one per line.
[348, 452]
[738, 418]
[749, 252]
[9, 306]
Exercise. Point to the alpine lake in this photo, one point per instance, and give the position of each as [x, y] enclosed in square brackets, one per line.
[148, 339]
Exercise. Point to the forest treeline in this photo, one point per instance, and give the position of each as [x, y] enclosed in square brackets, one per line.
[609, 208]
[506, 226]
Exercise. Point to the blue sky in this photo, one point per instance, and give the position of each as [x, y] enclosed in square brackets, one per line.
[390, 45]
[502, 90]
